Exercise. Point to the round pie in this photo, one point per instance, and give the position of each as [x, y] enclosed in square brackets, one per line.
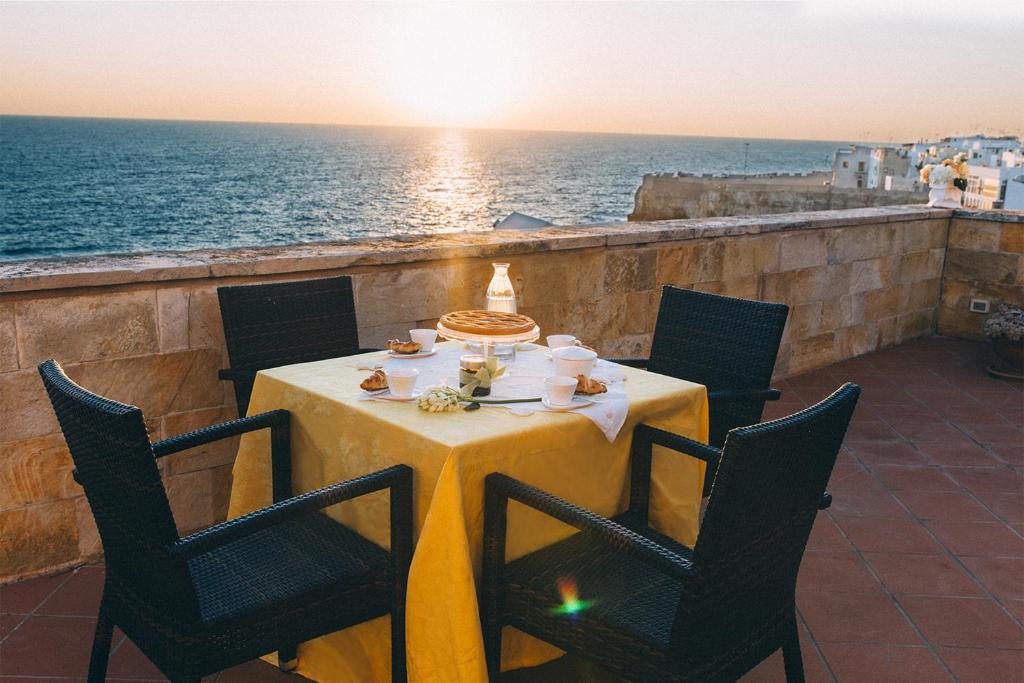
[487, 322]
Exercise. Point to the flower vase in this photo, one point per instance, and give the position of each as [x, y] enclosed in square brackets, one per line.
[944, 196]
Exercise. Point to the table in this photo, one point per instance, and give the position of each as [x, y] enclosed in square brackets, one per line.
[336, 435]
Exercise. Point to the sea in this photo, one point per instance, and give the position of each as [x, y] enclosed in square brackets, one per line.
[76, 186]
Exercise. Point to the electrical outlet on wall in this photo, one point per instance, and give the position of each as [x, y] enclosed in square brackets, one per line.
[979, 305]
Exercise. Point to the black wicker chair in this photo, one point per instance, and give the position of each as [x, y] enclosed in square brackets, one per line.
[262, 582]
[649, 608]
[267, 326]
[727, 344]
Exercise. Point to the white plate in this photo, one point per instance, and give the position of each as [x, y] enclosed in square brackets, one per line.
[577, 402]
[391, 397]
[418, 354]
[527, 346]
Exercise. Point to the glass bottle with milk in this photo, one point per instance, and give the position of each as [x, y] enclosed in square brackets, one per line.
[500, 295]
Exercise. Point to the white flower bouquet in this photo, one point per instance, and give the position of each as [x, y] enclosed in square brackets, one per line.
[947, 172]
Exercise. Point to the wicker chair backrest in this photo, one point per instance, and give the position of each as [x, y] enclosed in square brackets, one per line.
[281, 323]
[115, 465]
[720, 342]
[759, 516]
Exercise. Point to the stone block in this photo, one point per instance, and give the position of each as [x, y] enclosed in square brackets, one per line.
[811, 353]
[747, 256]
[205, 329]
[978, 266]
[919, 265]
[630, 270]
[887, 332]
[89, 545]
[629, 346]
[804, 321]
[960, 322]
[922, 235]
[867, 275]
[795, 287]
[389, 296]
[882, 303]
[172, 318]
[923, 294]
[914, 324]
[856, 341]
[691, 262]
[595, 322]
[468, 279]
[974, 235]
[191, 497]
[35, 471]
[8, 339]
[856, 243]
[740, 287]
[553, 278]
[25, 411]
[851, 311]
[202, 457]
[1012, 238]
[158, 384]
[641, 312]
[803, 249]
[374, 337]
[83, 328]
[37, 537]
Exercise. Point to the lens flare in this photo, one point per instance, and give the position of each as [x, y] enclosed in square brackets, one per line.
[571, 603]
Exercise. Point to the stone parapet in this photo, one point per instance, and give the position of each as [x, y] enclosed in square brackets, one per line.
[146, 330]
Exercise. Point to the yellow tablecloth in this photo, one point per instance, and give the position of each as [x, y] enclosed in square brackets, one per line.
[337, 436]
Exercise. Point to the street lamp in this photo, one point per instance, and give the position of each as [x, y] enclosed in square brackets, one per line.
[746, 148]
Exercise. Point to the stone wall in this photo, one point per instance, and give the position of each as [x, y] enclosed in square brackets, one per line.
[984, 260]
[665, 197]
[146, 329]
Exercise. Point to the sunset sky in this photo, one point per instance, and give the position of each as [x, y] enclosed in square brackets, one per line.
[837, 71]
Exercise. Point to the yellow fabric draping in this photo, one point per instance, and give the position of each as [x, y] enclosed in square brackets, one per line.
[337, 436]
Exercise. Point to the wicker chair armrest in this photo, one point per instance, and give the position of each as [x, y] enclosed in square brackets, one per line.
[206, 435]
[233, 374]
[398, 476]
[631, 362]
[681, 444]
[500, 488]
[745, 394]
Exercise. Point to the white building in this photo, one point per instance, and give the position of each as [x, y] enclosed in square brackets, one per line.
[1014, 197]
[850, 166]
[991, 163]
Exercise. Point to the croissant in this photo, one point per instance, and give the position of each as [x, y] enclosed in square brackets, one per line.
[375, 382]
[588, 387]
[406, 347]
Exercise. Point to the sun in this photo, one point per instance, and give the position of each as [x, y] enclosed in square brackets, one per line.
[451, 68]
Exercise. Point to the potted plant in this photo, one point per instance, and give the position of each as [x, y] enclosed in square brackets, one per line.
[1006, 330]
[946, 181]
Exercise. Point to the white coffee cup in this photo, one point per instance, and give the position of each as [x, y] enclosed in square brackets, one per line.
[425, 338]
[559, 390]
[571, 361]
[557, 341]
[401, 381]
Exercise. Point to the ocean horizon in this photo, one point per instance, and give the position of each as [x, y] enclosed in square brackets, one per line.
[79, 186]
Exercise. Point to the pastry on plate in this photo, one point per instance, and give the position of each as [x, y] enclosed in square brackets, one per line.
[375, 382]
[403, 347]
[587, 386]
[487, 323]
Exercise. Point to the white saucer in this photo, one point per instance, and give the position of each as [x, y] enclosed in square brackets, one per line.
[418, 354]
[391, 397]
[527, 346]
[577, 402]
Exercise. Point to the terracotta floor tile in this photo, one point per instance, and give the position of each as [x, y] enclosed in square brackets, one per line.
[963, 622]
[841, 572]
[78, 596]
[928, 431]
[958, 453]
[983, 539]
[854, 617]
[1004, 576]
[48, 646]
[1011, 454]
[872, 534]
[955, 506]
[825, 535]
[870, 432]
[888, 453]
[1008, 506]
[870, 503]
[923, 575]
[995, 433]
[1016, 608]
[772, 670]
[7, 624]
[853, 662]
[24, 596]
[995, 479]
[920, 478]
[127, 661]
[984, 666]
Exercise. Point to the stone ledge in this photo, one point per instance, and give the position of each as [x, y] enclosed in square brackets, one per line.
[997, 215]
[118, 269]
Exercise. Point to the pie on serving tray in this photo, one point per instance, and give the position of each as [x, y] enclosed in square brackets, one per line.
[486, 323]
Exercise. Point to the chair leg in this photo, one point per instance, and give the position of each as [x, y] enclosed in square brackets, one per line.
[100, 647]
[399, 673]
[287, 658]
[792, 659]
[492, 640]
